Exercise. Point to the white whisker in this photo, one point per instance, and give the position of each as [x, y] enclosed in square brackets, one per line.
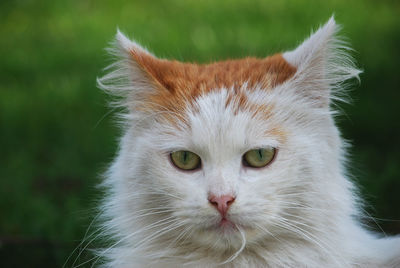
[236, 254]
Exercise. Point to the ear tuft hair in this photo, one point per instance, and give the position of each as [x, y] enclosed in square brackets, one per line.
[323, 65]
[125, 45]
[125, 79]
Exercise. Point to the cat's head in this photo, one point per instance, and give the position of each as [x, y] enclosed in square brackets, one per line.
[239, 152]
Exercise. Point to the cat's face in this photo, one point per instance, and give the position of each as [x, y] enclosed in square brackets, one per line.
[218, 154]
[261, 198]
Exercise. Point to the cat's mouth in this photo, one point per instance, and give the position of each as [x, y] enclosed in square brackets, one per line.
[221, 224]
[226, 225]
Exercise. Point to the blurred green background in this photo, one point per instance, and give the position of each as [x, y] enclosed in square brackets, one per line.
[57, 134]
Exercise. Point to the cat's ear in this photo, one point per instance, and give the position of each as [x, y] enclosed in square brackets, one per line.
[323, 65]
[133, 76]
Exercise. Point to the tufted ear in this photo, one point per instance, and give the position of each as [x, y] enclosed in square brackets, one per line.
[323, 65]
[133, 77]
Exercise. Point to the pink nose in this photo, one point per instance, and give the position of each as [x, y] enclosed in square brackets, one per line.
[221, 203]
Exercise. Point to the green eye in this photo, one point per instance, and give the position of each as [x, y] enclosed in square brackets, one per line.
[185, 160]
[258, 158]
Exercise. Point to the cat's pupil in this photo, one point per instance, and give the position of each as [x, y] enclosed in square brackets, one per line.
[260, 153]
[184, 156]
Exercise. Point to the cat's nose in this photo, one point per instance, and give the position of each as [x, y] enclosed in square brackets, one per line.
[221, 203]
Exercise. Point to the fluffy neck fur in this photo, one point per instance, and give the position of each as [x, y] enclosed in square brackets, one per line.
[301, 211]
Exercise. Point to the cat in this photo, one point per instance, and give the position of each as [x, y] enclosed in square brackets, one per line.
[235, 163]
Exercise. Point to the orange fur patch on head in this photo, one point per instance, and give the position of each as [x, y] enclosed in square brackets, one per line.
[179, 84]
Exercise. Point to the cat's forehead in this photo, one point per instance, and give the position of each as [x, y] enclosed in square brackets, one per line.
[193, 79]
[178, 84]
[224, 123]
[227, 119]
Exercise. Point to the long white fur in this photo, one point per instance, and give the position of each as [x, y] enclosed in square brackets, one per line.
[301, 211]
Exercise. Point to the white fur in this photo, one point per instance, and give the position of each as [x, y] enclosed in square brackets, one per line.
[301, 211]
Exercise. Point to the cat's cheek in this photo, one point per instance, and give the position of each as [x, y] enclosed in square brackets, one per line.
[188, 186]
[258, 176]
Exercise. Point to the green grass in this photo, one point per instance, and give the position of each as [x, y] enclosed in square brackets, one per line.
[56, 135]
